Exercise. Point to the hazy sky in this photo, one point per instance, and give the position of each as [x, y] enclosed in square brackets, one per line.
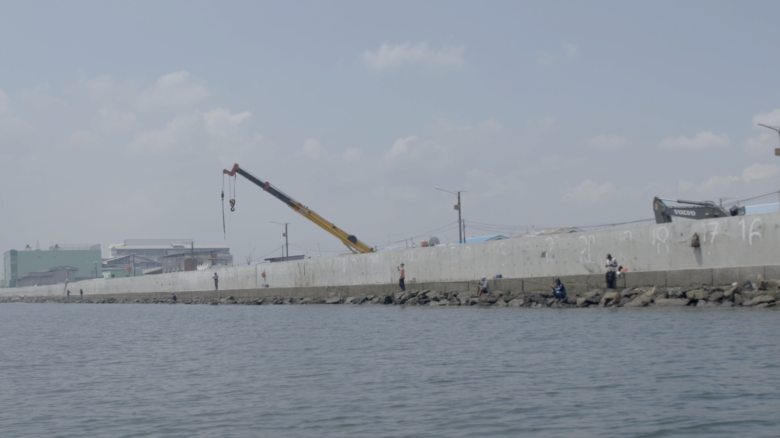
[116, 119]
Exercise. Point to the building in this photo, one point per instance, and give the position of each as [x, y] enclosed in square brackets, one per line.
[84, 258]
[195, 260]
[58, 275]
[153, 249]
[129, 265]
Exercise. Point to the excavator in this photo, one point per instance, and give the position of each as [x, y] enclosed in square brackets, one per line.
[347, 239]
[697, 210]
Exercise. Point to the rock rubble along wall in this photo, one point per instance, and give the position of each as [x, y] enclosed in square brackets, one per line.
[744, 241]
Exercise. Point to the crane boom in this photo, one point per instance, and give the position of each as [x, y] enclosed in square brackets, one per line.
[347, 239]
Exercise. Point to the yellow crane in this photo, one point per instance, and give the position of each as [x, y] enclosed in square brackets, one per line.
[347, 239]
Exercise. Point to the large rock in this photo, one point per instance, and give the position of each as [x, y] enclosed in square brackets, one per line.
[499, 303]
[412, 301]
[763, 299]
[698, 294]
[334, 300]
[640, 301]
[715, 296]
[768, 285]
[517, 302]
[730, 292]
[489, 298]
[609, 298]
[668, 302]
[583, 302]
[592, 297]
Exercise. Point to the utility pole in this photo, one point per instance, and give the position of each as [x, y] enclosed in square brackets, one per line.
[776, 129]
[192, 254]
[461, 225]
[133, 260]
[286, 241]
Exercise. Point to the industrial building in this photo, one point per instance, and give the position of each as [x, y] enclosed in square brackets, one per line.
[153, 249]
[84, 259]
[194, 260]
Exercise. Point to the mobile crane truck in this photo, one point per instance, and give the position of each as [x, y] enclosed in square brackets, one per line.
[347, 239]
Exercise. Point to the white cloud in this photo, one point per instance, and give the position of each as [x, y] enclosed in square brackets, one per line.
[767, 140]
[38, 97]
[545, 124]
[179, 133]
[590, 191]
[608, 142]
[396, 193]
[389, 55]
[545, 58]
[718, 183]
[8, 121]
[703, 140]
[221, 124]
[764, 144]
[411, 150]
[312, 149]
[488, 126]
[760, 171]
[173, 90]
[570, 49]
[771, 118]
[83, 138]
[351, 155]
[114, 120]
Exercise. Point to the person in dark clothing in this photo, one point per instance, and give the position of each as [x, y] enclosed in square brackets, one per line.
[173, 296]
[68, 294]
[611, 269]
[216, 281]
[559, 290]
[401, 277]
[81, 294]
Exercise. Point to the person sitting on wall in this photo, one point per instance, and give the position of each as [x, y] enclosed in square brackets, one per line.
[559, 290]
[484, 287]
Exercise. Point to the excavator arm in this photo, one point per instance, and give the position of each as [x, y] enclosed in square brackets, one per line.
[697, 210]
[347, 239]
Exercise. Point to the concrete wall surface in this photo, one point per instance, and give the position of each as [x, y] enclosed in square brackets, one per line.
[749, 242]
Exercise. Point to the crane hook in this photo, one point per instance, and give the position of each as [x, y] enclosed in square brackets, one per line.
[232, 205]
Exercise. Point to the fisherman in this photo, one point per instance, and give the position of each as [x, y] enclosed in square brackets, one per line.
[611, 268]
[173, 296]
[559, 290]
[484, 286]
[81, 294]
[401, 276]
[216, 281]
[68, 294]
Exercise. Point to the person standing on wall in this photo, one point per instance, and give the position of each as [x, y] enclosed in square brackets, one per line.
[68, 295]
[401, 276]
[216, 281]
[611, 269]
[81, 294]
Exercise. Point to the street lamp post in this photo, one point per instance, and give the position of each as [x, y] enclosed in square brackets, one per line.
[776, 129]
[286, 243]
[457, 207]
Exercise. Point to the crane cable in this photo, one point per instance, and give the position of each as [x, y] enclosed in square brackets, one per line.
[224, 230]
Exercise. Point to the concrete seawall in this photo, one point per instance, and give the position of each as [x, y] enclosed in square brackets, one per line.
[732, 249]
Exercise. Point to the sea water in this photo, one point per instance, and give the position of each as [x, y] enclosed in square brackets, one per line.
[103, 370]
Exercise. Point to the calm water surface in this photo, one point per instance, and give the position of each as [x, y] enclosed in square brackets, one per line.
[331, 371]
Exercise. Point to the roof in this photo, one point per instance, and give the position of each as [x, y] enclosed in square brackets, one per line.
[128, 256]
[764, 208]
[548, 232]
[485, 238]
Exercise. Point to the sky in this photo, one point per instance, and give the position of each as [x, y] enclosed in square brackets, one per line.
[117, 118]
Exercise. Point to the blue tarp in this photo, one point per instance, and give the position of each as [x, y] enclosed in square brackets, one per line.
[764, 208]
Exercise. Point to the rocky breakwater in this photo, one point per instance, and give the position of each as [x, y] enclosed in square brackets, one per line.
[765, 293]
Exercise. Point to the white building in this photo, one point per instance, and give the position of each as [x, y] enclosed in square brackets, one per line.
[156, 248]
